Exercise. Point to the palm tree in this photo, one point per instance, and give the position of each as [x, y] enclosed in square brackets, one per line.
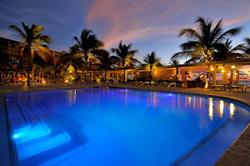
[126, 55]
[106, 60]
[86, 43]
[33, 41]
[151, 60]
[225, 51]
[175, 63]
[203, 40]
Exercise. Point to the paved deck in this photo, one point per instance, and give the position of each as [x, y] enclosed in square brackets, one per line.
[239, 152]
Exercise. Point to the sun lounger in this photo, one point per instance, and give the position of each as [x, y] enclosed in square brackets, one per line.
[163, 84]
[172, 84]
[144, 83]
[218, 86]
[138, 82]
[238, 87]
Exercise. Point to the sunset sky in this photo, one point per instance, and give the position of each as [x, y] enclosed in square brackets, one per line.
[151, 25]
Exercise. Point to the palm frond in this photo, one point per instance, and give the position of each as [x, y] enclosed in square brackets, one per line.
[182, 55]
[229, 33]
[77, 40]
[45, 39]
[19, 31]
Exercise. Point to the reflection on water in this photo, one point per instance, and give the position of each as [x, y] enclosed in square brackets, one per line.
[232, 110]
[221, 110]
[72, 97]
[154, 99]
[189, 100]
[211, 109]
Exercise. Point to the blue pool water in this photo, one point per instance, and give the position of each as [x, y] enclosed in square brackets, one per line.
[121, 127]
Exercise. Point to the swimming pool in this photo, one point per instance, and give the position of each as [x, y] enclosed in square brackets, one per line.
[112, 127]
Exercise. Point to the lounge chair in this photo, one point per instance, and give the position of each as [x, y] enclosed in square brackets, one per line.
[144, 83]
[138, 82]
[172, 84]
[239, 87]
[163, 84]
[218, 86]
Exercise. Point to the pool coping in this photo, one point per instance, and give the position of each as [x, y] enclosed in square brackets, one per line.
[230, 157]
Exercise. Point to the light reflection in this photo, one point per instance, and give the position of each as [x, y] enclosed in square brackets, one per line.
[189, 100]
[221, 111]
[231, 110]
[154, 99]
[211, 108]
[72, 97]
[125, 95]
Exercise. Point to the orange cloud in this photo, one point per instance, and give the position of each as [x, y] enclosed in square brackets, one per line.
[236, 20]
[136, 20]
[130, 20]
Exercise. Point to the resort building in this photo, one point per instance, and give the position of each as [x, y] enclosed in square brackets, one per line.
[221, 72]
[14, 68]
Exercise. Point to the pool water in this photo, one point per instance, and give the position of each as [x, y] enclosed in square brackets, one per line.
[121, 127]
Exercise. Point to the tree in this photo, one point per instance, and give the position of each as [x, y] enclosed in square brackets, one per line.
[203, 40]
[125, 53]
[175, 63]
[86, 43]
[33, 41]
[247, 47]
[225, 51]
[106, 61]
[152, 61]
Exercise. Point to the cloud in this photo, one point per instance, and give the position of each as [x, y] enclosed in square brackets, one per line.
[136, 20]
[130, 20]
[8, 34]
[236, 20]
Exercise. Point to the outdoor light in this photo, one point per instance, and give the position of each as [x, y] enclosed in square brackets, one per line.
[212, 68]
[43, 82]
[223, 71]
[233, 67]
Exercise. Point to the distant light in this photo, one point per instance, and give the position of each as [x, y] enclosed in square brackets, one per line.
[223, 71]
[212, 68]
[233, 67]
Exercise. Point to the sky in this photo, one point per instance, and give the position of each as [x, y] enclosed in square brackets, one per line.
[150, 25]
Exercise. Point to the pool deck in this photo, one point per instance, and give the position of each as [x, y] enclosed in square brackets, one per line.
[237, 154]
